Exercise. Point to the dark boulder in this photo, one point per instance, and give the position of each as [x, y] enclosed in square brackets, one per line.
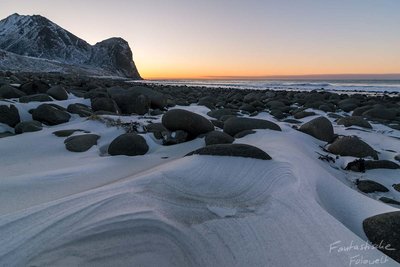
[58, 92]
[368, 186]
[383, 230]
[81, 143]
[65, 133]
[303, 114]
[128, 144]
[354, 121]
[7, 91]
[320, 128]
[232, 150]
[352, 146]
[34, 87]
[218, 113]
[35, 98]
[157, 100]
[380, 113]
[173, 138]
[236, 125]
[389, 201]
[50, 115]
[9, 115]
[28, 126]
[80, 109]
[217, 137]
[104, 104]
[192, 123]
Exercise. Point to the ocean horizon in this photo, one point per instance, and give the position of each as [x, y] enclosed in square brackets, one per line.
[348, 85]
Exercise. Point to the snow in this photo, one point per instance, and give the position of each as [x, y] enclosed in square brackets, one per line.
[59, 208]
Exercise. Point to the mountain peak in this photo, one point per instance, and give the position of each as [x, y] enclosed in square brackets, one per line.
[38, 37]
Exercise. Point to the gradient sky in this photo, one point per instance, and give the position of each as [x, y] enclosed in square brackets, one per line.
[194, 39]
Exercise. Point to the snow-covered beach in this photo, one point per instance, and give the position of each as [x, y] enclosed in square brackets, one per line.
[167, 208]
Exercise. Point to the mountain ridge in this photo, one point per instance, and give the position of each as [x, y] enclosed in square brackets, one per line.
[37, 37]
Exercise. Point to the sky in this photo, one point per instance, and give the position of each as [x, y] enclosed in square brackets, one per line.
[229, 38]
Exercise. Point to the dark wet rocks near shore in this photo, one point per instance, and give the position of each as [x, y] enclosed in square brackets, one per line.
[81, 143]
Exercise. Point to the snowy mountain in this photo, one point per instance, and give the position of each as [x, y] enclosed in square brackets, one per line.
[36, 37]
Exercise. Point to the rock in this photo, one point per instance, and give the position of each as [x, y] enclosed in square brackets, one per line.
[58, 92]
[235, 125]
[192, 123]
[218, 113]
[50, 115]
[247, 107]
[303, 114]
[173, 138]
[80, 109]
[81, 143]
[397, 157]
[34, 87]
[368, 186]
[232, 150]
[383, 230]
[293, 121]
[6, 134]
[352, 146]
[157, 100]
[380, 113]
[128, 144]
[320, 128]
[381, 164]
[104, 104]
[130, 101]
[389, 201]
[28, 126]
[348, 104]
[360, 110]
[244, 133]
[35, 98]
[9, 115]
[217, 137]
[396, 187]
[157, 129]
[354, 121]
[7, 91]
[65, 133]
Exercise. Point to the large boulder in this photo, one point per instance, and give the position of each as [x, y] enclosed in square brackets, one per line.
[217, 137]
[232, 150]
[354, 121]
[104, 104]
[9, 115]
[383, 230]
[35, 98]
[302, 114]
[7, 91]
[81, 143]
[131, 102]
[157, 100]
[58, 92]
[352, 146]
[50, 114]
[34, 87]
[28, 126]
[192, 123]
[320, 128]
[368, 186]
[128, 144]
[218, 113]
[380, 113]
[236, 125]
[80, 109]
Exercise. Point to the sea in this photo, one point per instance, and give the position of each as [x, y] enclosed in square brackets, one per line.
[351, 86]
